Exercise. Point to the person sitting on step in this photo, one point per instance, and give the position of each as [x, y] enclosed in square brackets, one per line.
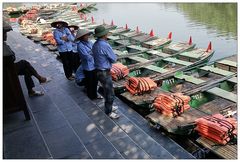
[23, 67]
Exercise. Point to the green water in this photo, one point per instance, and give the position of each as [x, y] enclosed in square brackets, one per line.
[215, 22]
[219, 16]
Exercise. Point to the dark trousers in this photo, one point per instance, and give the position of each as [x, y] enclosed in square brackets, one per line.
[23, 67]
[105, 79]
[66, 58]
[91, 83]
[76, 61]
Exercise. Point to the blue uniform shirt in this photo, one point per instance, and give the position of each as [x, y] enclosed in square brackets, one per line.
[103, 55]
[79, 76]
[85, 51]
[63, 46]
[74, 44]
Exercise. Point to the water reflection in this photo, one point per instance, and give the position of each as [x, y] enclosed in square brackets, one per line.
[219, 16]
[216, 22]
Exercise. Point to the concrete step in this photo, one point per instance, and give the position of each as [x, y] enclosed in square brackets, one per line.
[94, 138]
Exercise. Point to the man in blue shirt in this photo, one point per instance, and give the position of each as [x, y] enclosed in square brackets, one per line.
[84, 47]
[104, 57]
[64, 40]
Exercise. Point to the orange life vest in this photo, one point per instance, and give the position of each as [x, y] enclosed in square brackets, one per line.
[119, 71]
[139, 85]
[217, 128]
[171, 105]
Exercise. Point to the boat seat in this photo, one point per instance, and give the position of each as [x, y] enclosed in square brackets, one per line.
[156, 69]
[228, 62]
[85, 23]
[156, 42]
[119, 53]
[217, 70]
[190, 79]
[196, 53]
[233, 80]
[158, 53]
[137, 47]
[177, 61]
[149, 67]
[112, 37]
[223, 93]
[118, 30]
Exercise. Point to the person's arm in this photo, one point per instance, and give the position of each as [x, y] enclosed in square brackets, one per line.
[112, 57]
[83, 52]
[58, 38]
[70, 37]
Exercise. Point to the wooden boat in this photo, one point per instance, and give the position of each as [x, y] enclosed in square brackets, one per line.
[153, 62]
[114, 34]
[206, 99]
[52, 47]
[45, 43]
[139, 44]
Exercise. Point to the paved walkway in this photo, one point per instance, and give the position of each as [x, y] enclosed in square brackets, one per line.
[66, 124]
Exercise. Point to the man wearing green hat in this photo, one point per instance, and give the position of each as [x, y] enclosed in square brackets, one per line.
[103, 58]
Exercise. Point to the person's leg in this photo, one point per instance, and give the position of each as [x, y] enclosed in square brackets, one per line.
[70, 59]
[89, 84]
[65, 61]
[105, 78]
[93, 84]
[29, 83]
[76, 61]
[32, 71]
[24, 68]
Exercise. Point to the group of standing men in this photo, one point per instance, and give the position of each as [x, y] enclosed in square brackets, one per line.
[96, 60]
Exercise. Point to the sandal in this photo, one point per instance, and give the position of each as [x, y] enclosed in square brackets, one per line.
[114, 108]
[113, 115]
[71, 78]
[46, 81]
[36, 93]
[99, 97]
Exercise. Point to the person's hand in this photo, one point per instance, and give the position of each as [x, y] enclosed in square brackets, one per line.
[64, 38]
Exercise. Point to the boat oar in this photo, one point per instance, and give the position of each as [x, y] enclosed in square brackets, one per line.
[207, 85]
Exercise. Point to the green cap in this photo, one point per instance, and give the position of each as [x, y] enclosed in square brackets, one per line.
[100, 31]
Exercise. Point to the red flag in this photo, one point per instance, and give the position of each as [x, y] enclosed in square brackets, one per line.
[92, 19]
[190, 40]
[126, 27]
[112, 24]
[151, 33]
[170, 35]
[137, 30]
[209, 47]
